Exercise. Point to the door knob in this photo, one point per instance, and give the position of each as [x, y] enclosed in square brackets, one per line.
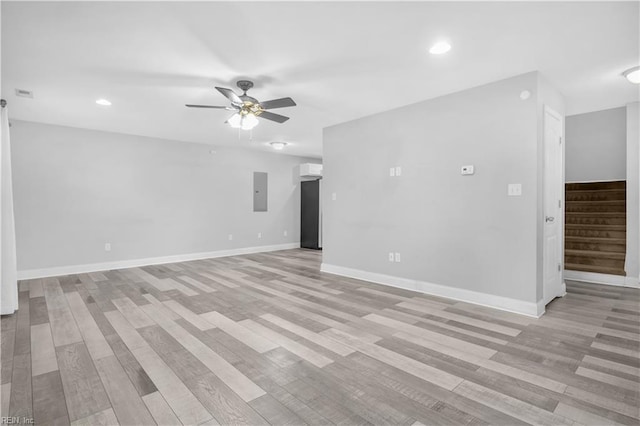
[549, 218]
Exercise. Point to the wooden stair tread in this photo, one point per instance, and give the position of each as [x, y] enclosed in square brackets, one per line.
[614, 184]
[597, 202]
[599, 214]
[596, 240]
[588, 191]
[593, 253]
[594, 226]
[593, 268]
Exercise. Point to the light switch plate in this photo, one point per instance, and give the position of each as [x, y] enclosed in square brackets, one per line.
[334, 196]
[467, 170]
[392, 171]
[397, 256]
[398, 170]
[391, 258]
[514, 189]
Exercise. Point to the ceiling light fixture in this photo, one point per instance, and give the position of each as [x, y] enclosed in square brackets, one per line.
[632, 74]
[243, 121]
[278, 145]
[439, 48]
[103, 102]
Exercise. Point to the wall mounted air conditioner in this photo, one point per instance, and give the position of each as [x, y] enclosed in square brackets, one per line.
[310, 170]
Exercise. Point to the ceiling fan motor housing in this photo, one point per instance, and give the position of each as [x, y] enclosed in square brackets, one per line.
[245, 85]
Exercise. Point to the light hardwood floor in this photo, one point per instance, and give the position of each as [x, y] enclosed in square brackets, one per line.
[268, 339]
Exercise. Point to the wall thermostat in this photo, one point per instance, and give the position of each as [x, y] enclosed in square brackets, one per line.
[467, 170]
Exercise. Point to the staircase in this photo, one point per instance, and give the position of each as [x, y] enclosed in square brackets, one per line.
[595, 227]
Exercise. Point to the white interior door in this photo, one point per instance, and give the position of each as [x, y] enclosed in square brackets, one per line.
[553, 187]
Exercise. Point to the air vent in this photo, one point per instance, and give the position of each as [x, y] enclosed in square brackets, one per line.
[24, 93]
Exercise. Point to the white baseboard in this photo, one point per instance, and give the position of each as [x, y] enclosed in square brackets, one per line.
[563, 289]
[592, 277]
[122, 264]
[498, 302]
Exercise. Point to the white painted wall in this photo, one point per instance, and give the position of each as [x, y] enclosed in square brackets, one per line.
[632, 261]
[596, 146]
[461, 233]
[77, 189]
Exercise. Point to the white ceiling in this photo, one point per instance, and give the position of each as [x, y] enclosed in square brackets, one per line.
[338, 61]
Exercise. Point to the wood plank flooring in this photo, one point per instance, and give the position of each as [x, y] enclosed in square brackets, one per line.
[269, 339]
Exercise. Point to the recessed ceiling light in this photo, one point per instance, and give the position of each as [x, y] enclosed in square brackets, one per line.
[439, 48]
[633, 75]
[103, 102]
[278, 145]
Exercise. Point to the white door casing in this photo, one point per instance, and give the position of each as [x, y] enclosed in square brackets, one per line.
[552, 201]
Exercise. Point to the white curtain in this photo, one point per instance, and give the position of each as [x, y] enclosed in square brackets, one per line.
[9, 287]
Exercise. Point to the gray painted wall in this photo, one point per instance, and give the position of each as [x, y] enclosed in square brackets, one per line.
[453, 230]
[632, 260]
[77, 189]
[596, 146]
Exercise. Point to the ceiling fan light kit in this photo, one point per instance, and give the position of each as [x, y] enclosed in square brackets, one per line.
[243, 121]
[248, 109]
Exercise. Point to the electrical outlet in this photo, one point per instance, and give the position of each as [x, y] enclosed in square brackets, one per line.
[514, 189]
[392, 171]
[230, 237]
[107, 246]
[285, 233]
[391, 258]
[259, 234]
[397, 256]
[398, 171]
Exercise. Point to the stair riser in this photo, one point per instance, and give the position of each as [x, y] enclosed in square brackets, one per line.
[595, 196]
[596, 186]
[589, 208]
[595, 254]
[614, 248]
[595, 233]
[582, 260]
[596, 269]
[596, 220]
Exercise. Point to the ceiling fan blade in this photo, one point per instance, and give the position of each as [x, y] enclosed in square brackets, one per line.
[273, 117]
[278, 103]
[210, 106]
[230, 94]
